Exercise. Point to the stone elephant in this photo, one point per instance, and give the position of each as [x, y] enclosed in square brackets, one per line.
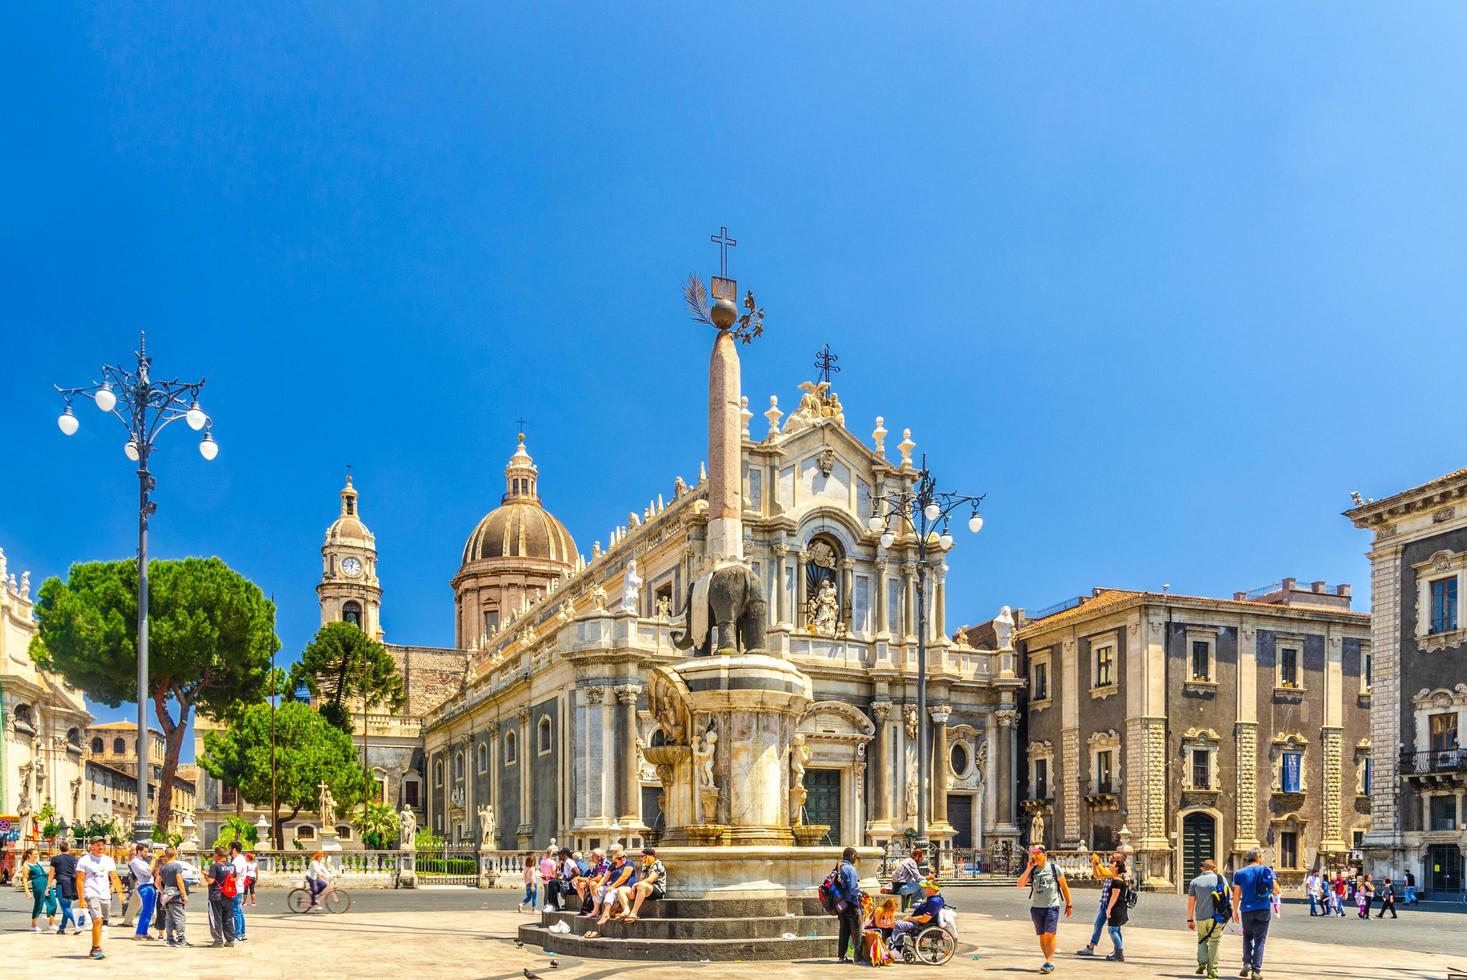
[732, 614]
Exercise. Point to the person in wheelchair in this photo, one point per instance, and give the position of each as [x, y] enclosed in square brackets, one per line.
[927, 912]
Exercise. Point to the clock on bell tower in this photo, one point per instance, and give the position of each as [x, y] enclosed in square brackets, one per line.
[349, 591]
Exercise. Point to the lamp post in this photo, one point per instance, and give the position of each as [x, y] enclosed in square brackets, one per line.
[917, 509]
[145, 407]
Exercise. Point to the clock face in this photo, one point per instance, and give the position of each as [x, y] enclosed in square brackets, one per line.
[351, 566]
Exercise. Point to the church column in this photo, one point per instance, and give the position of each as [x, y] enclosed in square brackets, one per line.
[883, 624]
[781, 599]
[939, 603]
[939, 715]
[847, 592]
[491, 796]
[909, 598]
[631, 803]
[1007, 718]
[526, 750]
[802, 557]
[881, 711]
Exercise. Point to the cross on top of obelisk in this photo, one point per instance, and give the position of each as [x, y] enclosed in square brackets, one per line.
[724, 243]
[825, 364]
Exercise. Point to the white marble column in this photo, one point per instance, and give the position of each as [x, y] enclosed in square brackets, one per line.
[628, 762]
[781, 597]
[883, 623]
[909, 599]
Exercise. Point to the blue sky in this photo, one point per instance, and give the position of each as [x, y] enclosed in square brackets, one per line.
[1165, 281]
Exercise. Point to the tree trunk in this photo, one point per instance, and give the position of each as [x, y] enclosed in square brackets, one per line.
[173, 733]
[280, 826]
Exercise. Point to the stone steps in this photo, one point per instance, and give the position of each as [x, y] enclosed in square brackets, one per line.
[715, 927]
[681, 950]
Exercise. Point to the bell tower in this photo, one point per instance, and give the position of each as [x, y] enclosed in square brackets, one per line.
[349, 591]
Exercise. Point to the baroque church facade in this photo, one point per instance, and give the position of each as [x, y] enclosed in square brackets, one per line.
[534, 725]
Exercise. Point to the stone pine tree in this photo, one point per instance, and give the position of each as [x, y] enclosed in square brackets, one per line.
[309, 750]
[211, 633]
[343, 666]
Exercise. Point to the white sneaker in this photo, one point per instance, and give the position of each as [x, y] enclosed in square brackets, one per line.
[35, 928]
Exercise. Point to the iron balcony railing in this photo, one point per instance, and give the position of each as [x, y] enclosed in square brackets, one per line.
[1440, 760]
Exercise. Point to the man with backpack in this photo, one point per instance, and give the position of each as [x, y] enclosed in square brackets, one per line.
[1254, 887]
[1209, 907]
[847, 902]
[221, 900]
[1047, 885]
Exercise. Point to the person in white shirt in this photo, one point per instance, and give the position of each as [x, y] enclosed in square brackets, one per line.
[240, 866]
[252, 872]
[99, 882]
[141, 867]
[318, 876]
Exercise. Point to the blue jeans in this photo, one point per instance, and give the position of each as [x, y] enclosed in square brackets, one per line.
[906, 891]
[237, 906]
[1312, 905]
[147, 896]
[1255, 933]
[529, 893]
[1115, 937]
[66, 914]
[1100, 918]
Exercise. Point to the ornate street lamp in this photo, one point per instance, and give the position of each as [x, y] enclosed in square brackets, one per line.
[145, 407]
[919, 509]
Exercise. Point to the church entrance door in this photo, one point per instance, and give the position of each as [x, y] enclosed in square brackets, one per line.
[823, 802]
[960, 815]
[1199, 842]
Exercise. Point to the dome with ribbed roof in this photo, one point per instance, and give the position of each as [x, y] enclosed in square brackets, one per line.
[520, 527]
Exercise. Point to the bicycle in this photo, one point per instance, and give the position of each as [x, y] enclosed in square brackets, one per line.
[333, 899]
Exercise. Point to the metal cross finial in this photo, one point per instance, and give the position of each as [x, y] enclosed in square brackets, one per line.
[724, 243]
[521, 422]
[825, 364]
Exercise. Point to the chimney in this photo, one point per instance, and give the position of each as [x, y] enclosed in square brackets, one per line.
[1289, 584]
[1317, 587]
[1343, 589]
[1239, 596]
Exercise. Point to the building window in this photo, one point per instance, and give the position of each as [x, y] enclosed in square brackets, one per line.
[510, 754]
[305, 832]
[119, 746]
[1443, 605]
[96, 746]
[1288, 666]
[1291, 773]
[483, 756]
[1443, 813]
[959, 759]
[1039, 684]
[228, 795]
[1366, 664]
[458, 766]
[1201, 769]
[1367, 775]
[542, 735]
[1104, 771]
[438, 773]
[1444, 732]
[491, 621]
[410, 792]
[1041, 779]
[351, 612]
[1201, 660]
[1105, 664]
[1288, 849]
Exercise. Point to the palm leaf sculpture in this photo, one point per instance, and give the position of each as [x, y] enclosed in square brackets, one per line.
[697, 299]
[749, 325]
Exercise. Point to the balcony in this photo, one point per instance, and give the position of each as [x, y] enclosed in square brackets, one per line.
[1443, 767]
[1104, 795]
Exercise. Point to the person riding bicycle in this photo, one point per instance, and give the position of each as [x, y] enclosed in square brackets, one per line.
[925, 913]
[318, 877]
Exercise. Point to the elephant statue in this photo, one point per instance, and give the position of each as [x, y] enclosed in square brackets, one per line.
[728, 602]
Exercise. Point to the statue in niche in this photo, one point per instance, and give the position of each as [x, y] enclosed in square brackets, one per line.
[911, 788]
[703, 749]
[664, 607]
[631, 588]
[407, 826]
[823, 612]
[487, 825]
[910, 716]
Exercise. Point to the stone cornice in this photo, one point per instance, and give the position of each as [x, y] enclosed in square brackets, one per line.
[1435, 493]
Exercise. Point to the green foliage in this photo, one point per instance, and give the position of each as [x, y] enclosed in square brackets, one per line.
[342, 663]
[308, 751]
[100, 825]
[237, 829]
[449, 866]
[171, 837]
[426, 840]
[211, 634]
[379, 825]
[46, 813]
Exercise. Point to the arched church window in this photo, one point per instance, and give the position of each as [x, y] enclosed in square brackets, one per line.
[543, 735]
[23, 715]
[351, 612]
[824, 602]
[119, 746]
[510, 751]
[438, 773]
[483, 757]
[458, 765]
[96, 746]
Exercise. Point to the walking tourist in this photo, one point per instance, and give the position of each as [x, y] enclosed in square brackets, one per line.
[129, 887]
[141, 866]
[1207, 905]
[906, 880]
[99, 883]
[173, 896]
[849, 911]
[1311, 891]
[1364, 895]
[159, 917]
[221, 902]
[1047, 885]
[252, 872]
[1338, 899]
[623, 875]
[591, 879]
[1105, 874]
[63, 874]
[1254, 888]
[527, 904]
[1410, 888]
[651, 888]
[240, 869]
[37, 883]
[318, 876]
[1387, 894]
[1119, 911]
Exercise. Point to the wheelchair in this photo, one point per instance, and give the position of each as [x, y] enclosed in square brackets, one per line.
[929, 944]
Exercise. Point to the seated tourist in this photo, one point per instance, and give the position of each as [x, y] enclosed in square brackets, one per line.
[622, 874]
[928, 911]
[652, 887]
[884, 918]
[593, 878]
[563, 883]
[906, 880]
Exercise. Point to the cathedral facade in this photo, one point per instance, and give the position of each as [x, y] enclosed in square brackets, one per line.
[542, 736]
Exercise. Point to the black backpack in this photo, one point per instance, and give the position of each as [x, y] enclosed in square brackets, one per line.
[1133, 895]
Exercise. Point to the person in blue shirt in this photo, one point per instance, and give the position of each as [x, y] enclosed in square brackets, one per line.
[1254, 887]
[850, 916]
[927, 911]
